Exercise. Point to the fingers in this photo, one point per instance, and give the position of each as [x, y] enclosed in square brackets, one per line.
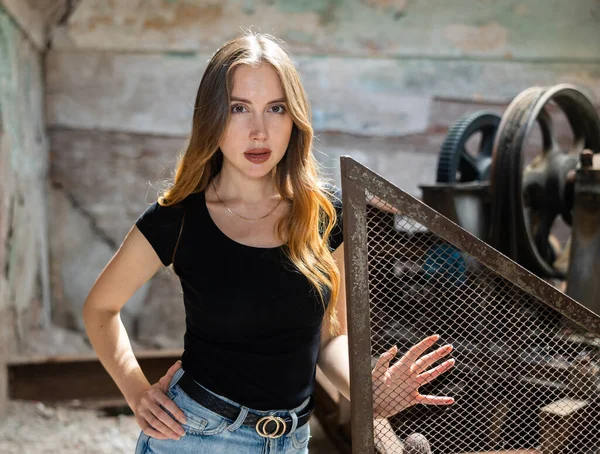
[158, 419]
[423, 363]
[434, 400]
[150, 413]
[148, 430]
[383, 363]
[432, 374]
[171, 407]
[174, 368]
[166, 379]
[417, 350]
[161, 421]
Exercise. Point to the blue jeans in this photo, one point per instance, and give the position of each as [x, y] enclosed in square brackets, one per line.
[208, 432]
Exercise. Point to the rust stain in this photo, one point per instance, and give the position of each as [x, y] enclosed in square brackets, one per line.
[156, 23]
[185, 15]
[521, 9]
[328, 16]
[490, 36]
[372, 46]
[191, 14]
[377, 3]
[396, 5]
[99, 21]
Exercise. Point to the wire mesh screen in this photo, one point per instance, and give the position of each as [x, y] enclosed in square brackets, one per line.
[525, 379]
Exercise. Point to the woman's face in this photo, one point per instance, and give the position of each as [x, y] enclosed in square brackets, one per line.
[259, 128]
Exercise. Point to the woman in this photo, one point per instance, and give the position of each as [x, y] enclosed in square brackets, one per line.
[256, 241]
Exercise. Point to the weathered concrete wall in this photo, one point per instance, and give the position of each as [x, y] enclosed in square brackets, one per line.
[153, 94]
[490, 29]
[385, 77]
[24, 277]
[37, 18]
[100, 185]
[370, 67]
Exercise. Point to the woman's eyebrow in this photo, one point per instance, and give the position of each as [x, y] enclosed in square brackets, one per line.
[247, 101]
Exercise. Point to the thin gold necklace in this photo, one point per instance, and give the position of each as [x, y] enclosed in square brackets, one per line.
[239, 215]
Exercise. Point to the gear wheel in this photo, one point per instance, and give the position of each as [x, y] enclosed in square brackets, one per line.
[527, 199]
[455, 163]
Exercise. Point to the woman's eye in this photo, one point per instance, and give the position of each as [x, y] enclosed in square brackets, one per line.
[238, 108]
[278, 109]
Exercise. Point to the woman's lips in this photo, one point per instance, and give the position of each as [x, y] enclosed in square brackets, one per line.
[258, 156]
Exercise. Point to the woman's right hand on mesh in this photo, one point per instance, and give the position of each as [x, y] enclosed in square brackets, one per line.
[154, 420]
[396, 386]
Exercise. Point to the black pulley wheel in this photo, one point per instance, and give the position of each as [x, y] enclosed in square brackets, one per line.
[455, 163]
[526, 200]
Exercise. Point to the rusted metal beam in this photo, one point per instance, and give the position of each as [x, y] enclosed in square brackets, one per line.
[513, 351]
[353, 172]
[359, 336]
[64, 378]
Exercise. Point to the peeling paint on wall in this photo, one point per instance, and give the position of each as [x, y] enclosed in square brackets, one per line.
[36, 18]
[548, 30]
[184, 15]
[487, 37]
[23, 169]
[383, 97]
[21, 78]
[521, 9]
[397, 6]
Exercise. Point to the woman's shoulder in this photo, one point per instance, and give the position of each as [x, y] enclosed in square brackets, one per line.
[163, 212]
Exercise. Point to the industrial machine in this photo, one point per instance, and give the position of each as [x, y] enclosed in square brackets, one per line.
[526, 185]
[533, 195]
[532, 203]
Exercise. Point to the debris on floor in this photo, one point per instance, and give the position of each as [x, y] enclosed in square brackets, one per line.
[38, 428]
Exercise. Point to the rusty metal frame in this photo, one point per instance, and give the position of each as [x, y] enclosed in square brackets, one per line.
[357, 294]
[357, 181]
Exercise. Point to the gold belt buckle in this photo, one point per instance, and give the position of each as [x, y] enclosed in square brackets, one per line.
[280, 426]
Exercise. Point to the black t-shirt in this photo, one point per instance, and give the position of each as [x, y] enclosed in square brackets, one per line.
[253, 322]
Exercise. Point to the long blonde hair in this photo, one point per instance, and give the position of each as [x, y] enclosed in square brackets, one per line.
[312, 215]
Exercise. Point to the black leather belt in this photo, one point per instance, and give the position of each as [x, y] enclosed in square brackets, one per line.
[266, 426]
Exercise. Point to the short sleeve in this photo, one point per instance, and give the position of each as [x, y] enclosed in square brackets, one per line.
[336, 237]
[161, 227]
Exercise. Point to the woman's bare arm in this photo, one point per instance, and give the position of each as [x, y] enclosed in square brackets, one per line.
[333, 355]
[132, 265]
[401, 380]
[334, 362]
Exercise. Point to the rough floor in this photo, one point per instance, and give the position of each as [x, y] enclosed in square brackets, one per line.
[35, 428]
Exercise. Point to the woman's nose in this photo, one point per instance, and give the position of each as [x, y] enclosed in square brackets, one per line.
[258, 129]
